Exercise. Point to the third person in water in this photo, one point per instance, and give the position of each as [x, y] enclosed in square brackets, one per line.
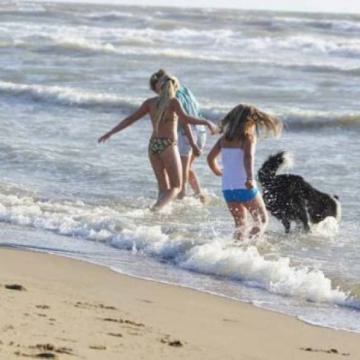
[174, 145]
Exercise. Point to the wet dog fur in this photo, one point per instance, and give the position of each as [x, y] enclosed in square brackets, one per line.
[290, 198]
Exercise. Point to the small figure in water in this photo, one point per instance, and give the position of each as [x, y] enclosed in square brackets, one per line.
[237, 145]
[164, 111]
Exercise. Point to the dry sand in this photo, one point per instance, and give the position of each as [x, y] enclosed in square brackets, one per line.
[67, 309]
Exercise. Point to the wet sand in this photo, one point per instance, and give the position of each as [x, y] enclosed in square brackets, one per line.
[58, 308]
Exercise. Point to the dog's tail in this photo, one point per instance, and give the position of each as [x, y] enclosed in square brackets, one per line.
[272, 165]
[338, 208]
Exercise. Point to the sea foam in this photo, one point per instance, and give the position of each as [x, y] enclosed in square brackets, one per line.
[213, 257]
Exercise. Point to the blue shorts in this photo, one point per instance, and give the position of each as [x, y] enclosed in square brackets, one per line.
[242, 195]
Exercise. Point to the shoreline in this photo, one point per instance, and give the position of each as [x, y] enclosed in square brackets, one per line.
[179, 285]
[73, 308]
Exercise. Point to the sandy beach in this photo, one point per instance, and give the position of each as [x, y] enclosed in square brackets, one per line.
[54, 307]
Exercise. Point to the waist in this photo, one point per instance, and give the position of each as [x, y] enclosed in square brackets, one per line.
[233, 180]
[160, 137]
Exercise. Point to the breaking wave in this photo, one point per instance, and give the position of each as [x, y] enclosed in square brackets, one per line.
[215, 257]
[66, 96]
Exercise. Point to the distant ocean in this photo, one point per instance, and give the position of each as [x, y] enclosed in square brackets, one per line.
[70, 72]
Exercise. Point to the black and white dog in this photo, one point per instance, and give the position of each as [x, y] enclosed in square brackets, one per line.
[290, 198]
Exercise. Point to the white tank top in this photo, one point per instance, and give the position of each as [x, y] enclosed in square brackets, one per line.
[234, 174]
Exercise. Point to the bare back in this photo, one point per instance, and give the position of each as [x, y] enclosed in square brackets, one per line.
[231, 144]
[238, 143]
[167, 125]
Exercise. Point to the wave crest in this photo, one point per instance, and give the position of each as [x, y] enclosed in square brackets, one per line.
[66, 95]
[214, 257]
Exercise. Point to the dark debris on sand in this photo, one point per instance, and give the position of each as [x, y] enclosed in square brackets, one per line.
[122, 321]
[330, 351]
[115, 334]
[46, 355]
[50, 347]
[45, 351]
[174, 343]
[97, 347]
[43, 355]
[86, 305]
[15, 287]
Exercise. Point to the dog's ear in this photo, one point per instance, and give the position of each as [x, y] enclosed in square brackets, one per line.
[336, 197]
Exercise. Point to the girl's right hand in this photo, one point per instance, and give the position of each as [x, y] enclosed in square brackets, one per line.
[196, 150]
[250, 184]
[103, 138]
[214, 129]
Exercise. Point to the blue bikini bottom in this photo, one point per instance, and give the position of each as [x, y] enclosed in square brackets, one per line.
[242, 195]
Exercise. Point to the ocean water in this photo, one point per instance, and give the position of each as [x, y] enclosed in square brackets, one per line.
[70, 72]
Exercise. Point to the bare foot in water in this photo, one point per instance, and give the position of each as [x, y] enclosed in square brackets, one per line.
[203, 198]
[181, 195]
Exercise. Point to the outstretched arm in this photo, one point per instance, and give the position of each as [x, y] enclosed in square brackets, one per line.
[187, 119]
[138, 114]
[211, 158]
[249, 158]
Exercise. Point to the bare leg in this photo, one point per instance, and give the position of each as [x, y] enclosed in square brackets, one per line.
[193, 179]
[160, 174]
[185, 163]
[258, 212]
[171, 160]
[239, 213]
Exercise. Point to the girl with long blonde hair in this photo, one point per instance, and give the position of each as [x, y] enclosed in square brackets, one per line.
[237, 145]
[188, 149]
[164, 111]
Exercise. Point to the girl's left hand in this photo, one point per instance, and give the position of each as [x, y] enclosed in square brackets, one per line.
[250, 184]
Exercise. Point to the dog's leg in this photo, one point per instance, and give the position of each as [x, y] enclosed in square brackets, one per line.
[303, 216]
[286, 224]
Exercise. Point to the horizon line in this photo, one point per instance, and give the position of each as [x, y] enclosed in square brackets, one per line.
[194, 6]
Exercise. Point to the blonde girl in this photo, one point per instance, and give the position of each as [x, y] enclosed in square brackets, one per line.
[237, 145]
[164, 111]
[191, 140]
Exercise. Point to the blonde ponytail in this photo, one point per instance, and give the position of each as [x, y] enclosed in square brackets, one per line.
[169, 85]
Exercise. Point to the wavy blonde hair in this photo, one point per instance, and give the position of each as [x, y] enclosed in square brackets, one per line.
[169, 85]
[239, 122]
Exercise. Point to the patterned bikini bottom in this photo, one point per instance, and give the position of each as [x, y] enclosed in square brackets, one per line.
[158, 144]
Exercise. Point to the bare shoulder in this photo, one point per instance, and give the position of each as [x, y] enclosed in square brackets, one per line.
[151, 102]
[250, 139]
[249, 142]
[174, 102]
